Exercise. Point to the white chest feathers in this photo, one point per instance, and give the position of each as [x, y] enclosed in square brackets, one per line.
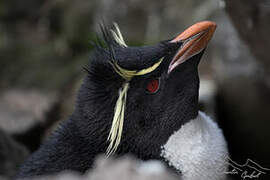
[198, 149]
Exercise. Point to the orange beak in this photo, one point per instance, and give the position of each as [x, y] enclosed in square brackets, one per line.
[194, 40]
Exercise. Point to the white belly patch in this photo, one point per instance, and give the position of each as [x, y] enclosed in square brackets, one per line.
[198, 149]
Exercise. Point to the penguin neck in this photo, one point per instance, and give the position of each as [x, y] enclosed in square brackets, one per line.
[198, 150]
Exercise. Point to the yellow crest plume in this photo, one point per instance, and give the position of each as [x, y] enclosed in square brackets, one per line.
[117, 35]
[118, 120]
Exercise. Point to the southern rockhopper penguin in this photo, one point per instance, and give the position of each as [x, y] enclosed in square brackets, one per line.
[141, 101]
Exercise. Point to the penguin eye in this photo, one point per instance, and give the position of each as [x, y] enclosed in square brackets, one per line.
[153, 85]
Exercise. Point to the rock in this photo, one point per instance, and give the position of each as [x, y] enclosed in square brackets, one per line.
[252, 24]
[125, 168]
[21, 109]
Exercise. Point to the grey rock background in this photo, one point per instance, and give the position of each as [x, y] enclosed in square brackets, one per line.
[125, 168]
[45, 43]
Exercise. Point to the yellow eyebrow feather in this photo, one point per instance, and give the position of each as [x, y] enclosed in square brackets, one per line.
[119, 111]
[116, 130]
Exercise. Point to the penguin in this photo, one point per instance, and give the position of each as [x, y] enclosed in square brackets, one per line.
[141, 101]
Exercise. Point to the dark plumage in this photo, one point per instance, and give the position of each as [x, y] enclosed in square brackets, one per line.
[150, 119]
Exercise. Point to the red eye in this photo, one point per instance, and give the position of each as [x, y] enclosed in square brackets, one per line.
[153, 86]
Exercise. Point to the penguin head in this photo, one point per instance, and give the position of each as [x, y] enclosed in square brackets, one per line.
[134, 98]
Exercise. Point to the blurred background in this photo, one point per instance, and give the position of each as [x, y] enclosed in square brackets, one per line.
[45, 43]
